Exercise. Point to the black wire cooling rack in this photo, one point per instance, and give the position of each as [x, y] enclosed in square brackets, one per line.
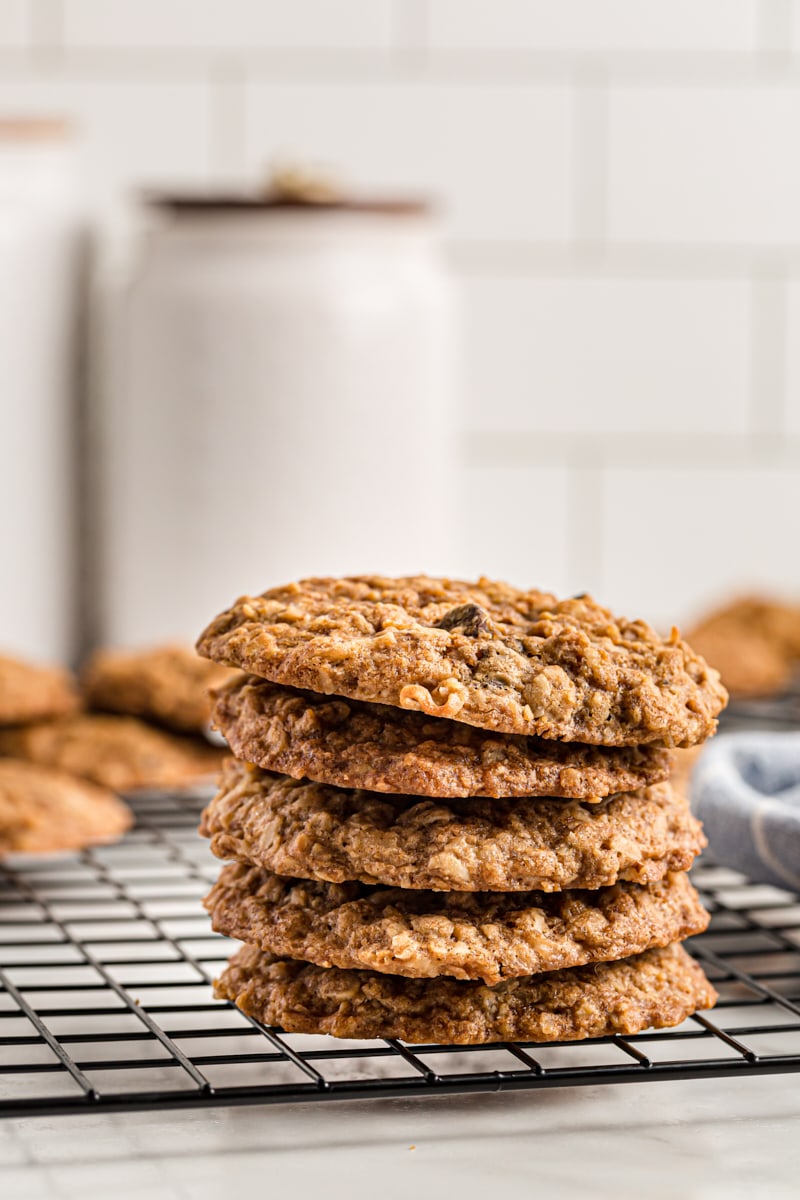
[106, 962]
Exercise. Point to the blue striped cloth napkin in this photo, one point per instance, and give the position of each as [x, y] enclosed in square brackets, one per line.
[746, 790]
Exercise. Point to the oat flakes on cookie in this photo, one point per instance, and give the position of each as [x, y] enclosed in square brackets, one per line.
[484, 653]
[351, 743]
[42, 810]
[118, 752]
[656, 989]
[29, 692]
[315, 831]
[166, 684]
[465, 935]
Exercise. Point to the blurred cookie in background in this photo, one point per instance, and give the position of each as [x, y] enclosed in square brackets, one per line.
[122, 753]
[30, 692]
[754, 643]
[750, 665]
[165, 684]
[43, 810]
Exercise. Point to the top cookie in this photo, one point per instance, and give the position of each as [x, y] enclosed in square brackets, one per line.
[33, 693]
[167, 684]
[351, 743]
[485, 653]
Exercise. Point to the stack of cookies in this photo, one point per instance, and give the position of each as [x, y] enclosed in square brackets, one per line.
[449, 817]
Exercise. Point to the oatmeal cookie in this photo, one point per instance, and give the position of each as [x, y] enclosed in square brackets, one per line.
[314, 831]
[489, 936]
[351, 743]
[485, 653]
[43, 810]
[33, 693]
[753, 643]
[117, 752]
[775, 620]
[656, 989]
[167, 684]
[748, 663]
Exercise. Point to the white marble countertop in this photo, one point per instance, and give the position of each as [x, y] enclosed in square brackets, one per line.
[694, 1139]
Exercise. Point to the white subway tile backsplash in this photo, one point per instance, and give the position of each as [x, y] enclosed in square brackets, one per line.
[677, 540]
[792, 20]
[236, 24]
[612, 355]
[496, 157]
[627, 242]
[130, 134]
[514, 525]
[14, 23]
[775, 25]
[793, 359]
[704, 164]
[583, 25]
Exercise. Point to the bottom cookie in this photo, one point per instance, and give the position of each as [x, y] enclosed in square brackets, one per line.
[656, 989]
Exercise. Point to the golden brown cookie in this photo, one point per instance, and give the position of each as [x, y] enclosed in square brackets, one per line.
[118, 752]
[656, 989]
[166, 684]
[315, 831]
[45, 810]
[466, 935]
[33, 693]
[485, 653]
[775, 620]
[749, 664]
[351, 743]
[754, 644]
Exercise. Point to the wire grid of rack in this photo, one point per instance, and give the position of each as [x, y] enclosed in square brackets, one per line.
[107, 958]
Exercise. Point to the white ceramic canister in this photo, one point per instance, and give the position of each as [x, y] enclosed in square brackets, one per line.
[280, 406]
[42, 245]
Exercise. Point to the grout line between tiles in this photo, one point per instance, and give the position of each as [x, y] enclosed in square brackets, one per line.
[683, 451]
[405, 61]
